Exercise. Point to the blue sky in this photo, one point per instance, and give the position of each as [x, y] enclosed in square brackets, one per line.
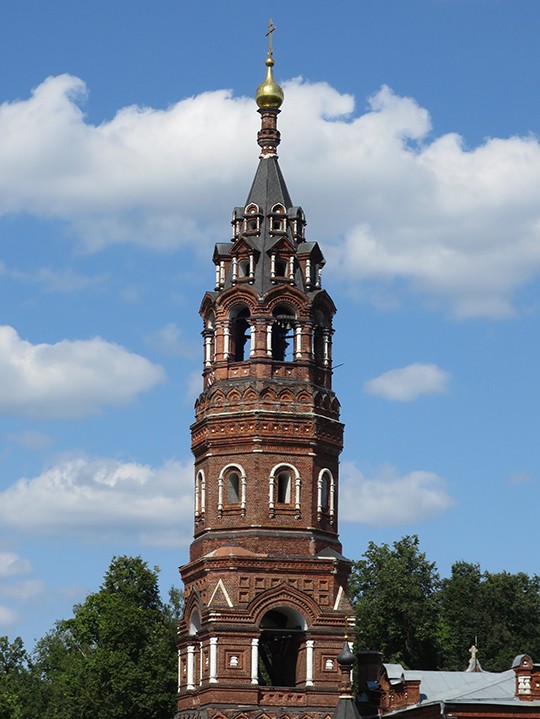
[127, 135]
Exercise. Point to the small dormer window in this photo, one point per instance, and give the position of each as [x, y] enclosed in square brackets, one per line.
[277, 219]
[252, 219]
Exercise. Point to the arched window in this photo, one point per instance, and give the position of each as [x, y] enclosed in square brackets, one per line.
[240, 330]
[277, 221]
[283, 495]
[284, 489]
[325, 494]
[283, 334]
[233, 488]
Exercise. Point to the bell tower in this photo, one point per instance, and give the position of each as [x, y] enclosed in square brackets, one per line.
[266, 609]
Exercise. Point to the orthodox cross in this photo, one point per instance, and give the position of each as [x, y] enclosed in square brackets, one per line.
[271, 28]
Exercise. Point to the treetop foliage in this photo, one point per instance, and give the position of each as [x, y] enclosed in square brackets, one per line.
[415, 618]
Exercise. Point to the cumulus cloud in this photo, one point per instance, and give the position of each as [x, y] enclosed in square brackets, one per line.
[408, 383]
[101, 498]
[12, 564]
[72, 378]
[389, 499]
[396, 205]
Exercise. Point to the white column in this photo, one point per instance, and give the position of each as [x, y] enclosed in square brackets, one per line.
[220, 494]
[226, 342]
[291, 268]
[221, 273]
[243, 494]
[251, 267]
[272, 266]
[190, 667]
[271, 494]
[254, 661]
[179, 670]
[269, 340]
[309, 662]
[203, 494]
[197, 495]
[234, 269]
[201, 664]
[308, 273]
[297, 494]
[332, 496]
[213, 660]
[217, 277]
[298, 342]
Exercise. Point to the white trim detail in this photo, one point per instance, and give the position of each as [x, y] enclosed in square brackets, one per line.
[221, 586]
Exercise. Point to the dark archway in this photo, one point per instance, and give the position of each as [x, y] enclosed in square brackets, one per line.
[282, 635]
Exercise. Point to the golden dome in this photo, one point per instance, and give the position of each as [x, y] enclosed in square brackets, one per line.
[269, 93]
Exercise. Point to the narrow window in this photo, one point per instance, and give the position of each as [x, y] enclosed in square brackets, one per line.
[284, 487]
[233, 488]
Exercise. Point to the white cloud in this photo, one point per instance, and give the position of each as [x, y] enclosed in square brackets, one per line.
[409, 383]
[170, 340]
[12, 565]
[101, 498]
[395, 205]
[70, 378]
[8, 617]
[23, 591]
[389, 499]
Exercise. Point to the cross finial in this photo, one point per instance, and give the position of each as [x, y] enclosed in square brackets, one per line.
[271, 28]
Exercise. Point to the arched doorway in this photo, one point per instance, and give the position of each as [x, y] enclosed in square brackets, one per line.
[282, 635]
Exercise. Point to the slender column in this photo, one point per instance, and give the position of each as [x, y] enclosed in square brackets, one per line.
[319, 497]
[226, 342]
[213, 660]
[254, 661]
[291, 268]
[271, 495]
[297, 496]
[252, 338]
[251, 267]
[298, 341]
[243, 494]
[197, 495]
[221, 273]
[308, 273]
[217, 276]
[269, 340]
[179, 670]
[220, 495]
[310, 643]
[190, 667]
[203, 494]
[332, 496]
[234, 269]
[272, 266]
[201, 664]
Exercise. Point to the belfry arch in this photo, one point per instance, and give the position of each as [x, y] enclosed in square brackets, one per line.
[282, 634]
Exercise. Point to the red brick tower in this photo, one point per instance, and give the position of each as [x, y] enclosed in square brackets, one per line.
[265, 587]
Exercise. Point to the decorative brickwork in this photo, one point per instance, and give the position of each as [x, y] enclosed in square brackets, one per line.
[266, 610]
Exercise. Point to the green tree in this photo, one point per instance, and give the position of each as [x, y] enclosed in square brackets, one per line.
[499, 611]
[394, 593]
[16, 681]
[115, 657]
